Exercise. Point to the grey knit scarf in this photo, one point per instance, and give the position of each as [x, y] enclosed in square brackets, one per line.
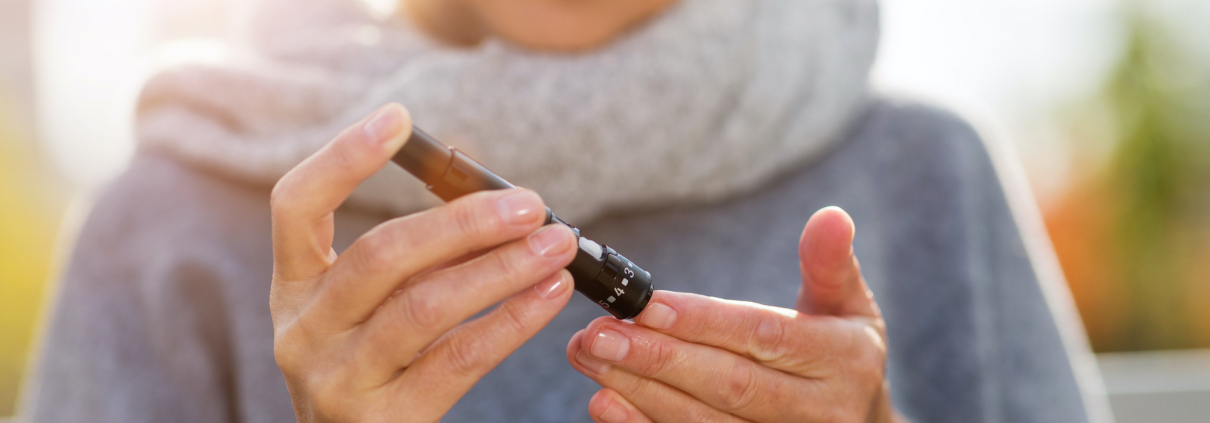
[709, 99]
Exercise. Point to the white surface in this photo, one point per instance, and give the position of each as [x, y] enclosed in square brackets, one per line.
[1156, 371]
[1158, 386]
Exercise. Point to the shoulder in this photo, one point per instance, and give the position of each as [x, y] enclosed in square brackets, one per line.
[158, 193]
[160, 215]
[918, 137]
[923, 157]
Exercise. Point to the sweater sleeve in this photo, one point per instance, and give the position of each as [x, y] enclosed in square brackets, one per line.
[981, 328]
[138, 333]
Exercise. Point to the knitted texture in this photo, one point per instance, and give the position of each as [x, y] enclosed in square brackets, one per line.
[709, 99]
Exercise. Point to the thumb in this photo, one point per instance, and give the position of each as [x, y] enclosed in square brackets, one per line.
[831, 278]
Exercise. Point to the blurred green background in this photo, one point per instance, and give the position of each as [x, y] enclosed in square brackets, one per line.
[1128, 208]
[1133, 230]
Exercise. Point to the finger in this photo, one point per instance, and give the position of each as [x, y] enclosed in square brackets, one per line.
[657, 400]
[716, 377]
[608, 406]
[454, 364]
[783, 339]
[303, 200]
[832, 282]
[381, 260]
[428, 308]
[456, 261]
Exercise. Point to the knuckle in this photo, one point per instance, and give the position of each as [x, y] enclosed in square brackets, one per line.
[661, 357]
[509, 263]
[871, 371]
[868, 358]
[465, 357]
[708, 415]
[742, 386]
[514, 319]
[281, 197]
[417, 309]
[289, 348]
[636, 387]
[344, 153]
[768, 343]
[286, 355]
[379, 250]
[468, 217]
[327, 396]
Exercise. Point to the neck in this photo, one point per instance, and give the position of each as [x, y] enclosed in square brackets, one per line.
[451, 21]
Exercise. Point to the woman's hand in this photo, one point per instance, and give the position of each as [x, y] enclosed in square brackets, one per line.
[377, 333]
[699, 359]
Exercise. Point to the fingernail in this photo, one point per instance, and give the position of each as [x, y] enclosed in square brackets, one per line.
[518, 207]
[384, 125]
[610, 346]
[551, 287]
[548, 242]
[658, 316]
[592, 364]
[616, 413]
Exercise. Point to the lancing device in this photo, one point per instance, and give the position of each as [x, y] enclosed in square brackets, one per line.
[601, 274]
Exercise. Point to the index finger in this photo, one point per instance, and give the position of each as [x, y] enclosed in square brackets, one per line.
[303, 200]
[776, 337]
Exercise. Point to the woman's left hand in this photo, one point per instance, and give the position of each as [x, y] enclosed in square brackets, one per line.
[692, 358]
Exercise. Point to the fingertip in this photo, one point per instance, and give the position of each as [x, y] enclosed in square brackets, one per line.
[390, 126]
[597, 324]
[598, 400]
[405, 132]
[553, 242]
[566, 247]
[555, 286]
[407, 115]
[828, 237]
[606, 406]
[832, 281]
[569, 282]
[658, 315]
[580, 361]
[573, 345]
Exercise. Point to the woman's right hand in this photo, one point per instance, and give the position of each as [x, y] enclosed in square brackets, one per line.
[376, 333]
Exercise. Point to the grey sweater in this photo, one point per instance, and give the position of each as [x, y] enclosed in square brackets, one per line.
[163, 311]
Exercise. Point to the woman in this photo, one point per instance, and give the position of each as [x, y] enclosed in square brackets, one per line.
[697, 137]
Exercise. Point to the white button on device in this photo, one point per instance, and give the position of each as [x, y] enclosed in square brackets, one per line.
[591, 247]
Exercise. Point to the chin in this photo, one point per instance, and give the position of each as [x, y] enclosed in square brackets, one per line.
[568, 27]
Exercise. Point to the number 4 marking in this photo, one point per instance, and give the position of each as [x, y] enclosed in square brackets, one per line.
[619, 291]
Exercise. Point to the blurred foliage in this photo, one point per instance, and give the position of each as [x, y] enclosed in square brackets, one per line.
[1133, 235]
[26, 239]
